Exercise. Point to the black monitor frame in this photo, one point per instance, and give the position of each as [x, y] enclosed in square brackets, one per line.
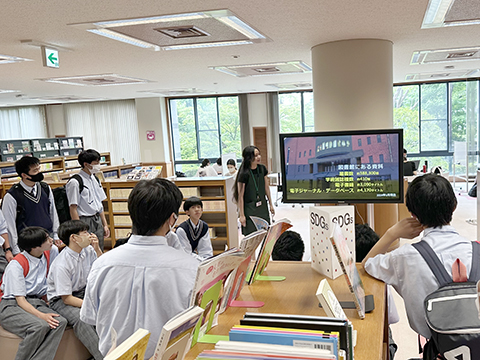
[288, 199]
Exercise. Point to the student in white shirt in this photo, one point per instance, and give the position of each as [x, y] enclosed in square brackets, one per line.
[68, 277]
[23, 310]
[193, 234]
[218, 166]
[206, 169]
[145, 282]
[86, 205]
[29, 202]
[6, 254]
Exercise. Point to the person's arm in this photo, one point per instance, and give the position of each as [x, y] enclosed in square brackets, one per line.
[53, 215]
[106, 228]
[73, 193]
[179, 240]
[72, 300]
[49, 318]
[9, 209]
[6, 245]
[73, 212]
[407, 228]
[240, 203]
[269, 197]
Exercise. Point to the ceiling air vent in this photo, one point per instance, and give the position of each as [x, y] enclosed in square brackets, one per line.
[270, 69]
[458, 55]
[180, 32]
[96, 80]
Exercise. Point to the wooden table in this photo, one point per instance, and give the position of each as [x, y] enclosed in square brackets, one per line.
[296, 295]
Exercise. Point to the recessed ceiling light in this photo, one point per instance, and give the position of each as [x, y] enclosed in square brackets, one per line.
[97, 80]
[6, 59]
[176, 92]
[278, 68]
[442, 13]
[218, 28]
[8, 91]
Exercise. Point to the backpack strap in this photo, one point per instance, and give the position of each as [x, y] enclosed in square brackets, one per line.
[47, 256]
[45, 187]
[23, 261]
[475, 270]
[80, 182]
[433, 262]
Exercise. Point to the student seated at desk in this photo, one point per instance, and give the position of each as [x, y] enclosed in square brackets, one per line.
[431, 201]
[289, 247]
[409, 168]
[193, 234]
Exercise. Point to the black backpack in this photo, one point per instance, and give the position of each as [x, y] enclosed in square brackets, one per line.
[450, 311]
[61, 200]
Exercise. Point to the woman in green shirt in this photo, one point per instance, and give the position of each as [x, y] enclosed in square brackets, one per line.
[251, 190]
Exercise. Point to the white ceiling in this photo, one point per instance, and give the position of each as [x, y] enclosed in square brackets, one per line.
[293, 26]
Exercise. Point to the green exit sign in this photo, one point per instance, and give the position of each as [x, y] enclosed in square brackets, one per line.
[50, 57]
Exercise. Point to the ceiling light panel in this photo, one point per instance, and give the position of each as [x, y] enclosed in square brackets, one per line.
[291, 85]
[176, 92]
[96, 80]
[278, 68]
[7, 59]
[445, 55]
[442, 13]
[8, 91]
[445, 75]
[217, 28]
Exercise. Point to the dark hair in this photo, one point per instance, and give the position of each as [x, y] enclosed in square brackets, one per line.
[365, 238]
[70, 227]
[431, 199]
[205, 162]
[122, 241]
[289, 246]
[23, 165]
[32, 237]
[151, 203]
[219, 161]
[88, 156]
[248, 154]
[232, 162]
[192, 201]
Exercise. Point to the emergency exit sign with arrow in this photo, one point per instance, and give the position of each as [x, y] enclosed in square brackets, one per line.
[50, 57]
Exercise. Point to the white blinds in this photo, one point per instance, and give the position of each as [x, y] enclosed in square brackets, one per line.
[106, 126]
[23, 123]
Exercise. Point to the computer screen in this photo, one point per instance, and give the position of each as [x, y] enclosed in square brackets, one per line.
[363, 166]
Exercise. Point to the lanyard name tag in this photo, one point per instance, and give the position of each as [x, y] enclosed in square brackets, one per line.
[258, 204]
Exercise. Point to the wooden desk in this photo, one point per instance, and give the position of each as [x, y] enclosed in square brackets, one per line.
[296, 295]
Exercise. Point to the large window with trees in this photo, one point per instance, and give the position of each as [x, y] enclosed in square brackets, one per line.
[435, 116]
[296, 112]
[204, 127]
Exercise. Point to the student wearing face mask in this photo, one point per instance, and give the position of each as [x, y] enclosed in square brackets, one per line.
[68, 277]
[145, 282]
[29, 203]
[86, 202]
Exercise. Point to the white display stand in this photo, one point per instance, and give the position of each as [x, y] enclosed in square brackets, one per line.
[322, 218]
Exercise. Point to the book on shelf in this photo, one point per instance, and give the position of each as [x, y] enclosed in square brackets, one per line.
[133, 348]
[351, 275]
[308, 322]
[329, 301]
[55, 145]
[176, 336]
[238, 350]
[10, 148]
[79, 143]
[293, 337]
[274, 232]
[209, 287]
[36, 145]
[10, 158]
[71, 143]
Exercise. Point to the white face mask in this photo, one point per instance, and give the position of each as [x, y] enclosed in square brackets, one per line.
[95, 169]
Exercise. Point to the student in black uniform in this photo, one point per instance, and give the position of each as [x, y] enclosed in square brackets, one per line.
[251, 190]
[408, 166]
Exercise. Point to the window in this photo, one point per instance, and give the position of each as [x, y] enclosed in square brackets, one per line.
[370, 159]
[296, 112]
[305, 153]
[379, 138]
[381, 158]
[204, 128]
[359, 142]
[299, 154]
[369, 140]
[310, 152]
[23, 122]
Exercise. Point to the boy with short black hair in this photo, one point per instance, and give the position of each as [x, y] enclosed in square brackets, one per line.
[289, 247]
[29, 202]
[68, 277]
[23, 310]
[86, 201]
[193, 233]
[431, 201]
[145, 282]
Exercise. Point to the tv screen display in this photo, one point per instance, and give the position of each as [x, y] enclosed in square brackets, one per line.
[364, 166]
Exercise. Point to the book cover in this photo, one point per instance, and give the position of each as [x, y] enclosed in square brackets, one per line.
[25, 146]
[209, 302]
[266, 249]
[10, 148]
[260, 224]
[71, 143]
[176, 336]
[351, 275]
[133, 348]
[269, 354]
[316, 341]
[329, 301]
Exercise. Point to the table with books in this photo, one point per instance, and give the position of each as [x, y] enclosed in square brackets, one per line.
[296, 295]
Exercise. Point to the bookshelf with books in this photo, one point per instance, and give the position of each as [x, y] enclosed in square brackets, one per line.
[70, 145]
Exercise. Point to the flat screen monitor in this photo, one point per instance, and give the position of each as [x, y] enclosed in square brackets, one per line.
[364, 166]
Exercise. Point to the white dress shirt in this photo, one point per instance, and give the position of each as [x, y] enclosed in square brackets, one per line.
[204, 249]
[69, 272]
[89, 201]
[35, 283]
[206, 171]
[3, 228]
[9, 208]
[406, 270]
[141, 284]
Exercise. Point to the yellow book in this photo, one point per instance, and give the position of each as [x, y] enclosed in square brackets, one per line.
[131, 349]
